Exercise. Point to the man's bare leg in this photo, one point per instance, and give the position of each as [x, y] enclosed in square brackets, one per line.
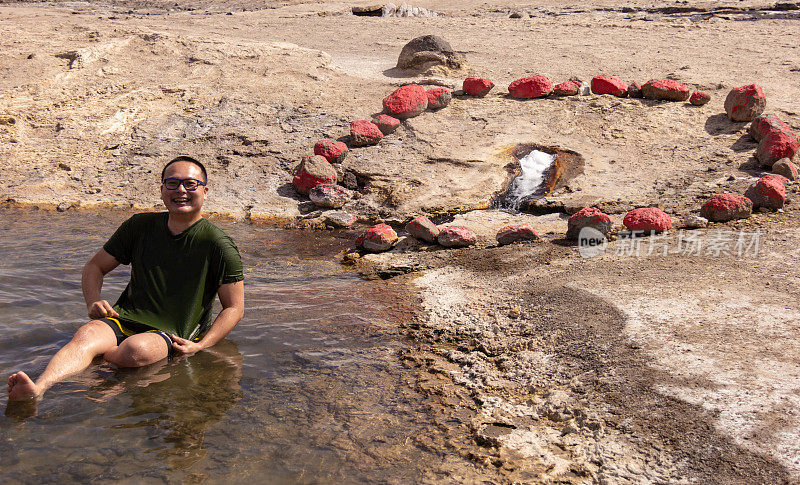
[138, 350]
[93, 339]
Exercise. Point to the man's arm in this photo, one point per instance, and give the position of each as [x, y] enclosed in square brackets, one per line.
[92, 282]
[231, 296]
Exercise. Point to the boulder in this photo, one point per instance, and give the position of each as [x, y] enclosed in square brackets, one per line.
[422, 228]
[647, 219]
[745, 103]
[406, 101]
[634, 90]
[312, 171]
[765, 124]
[333, 151]
[456, 237]
[666, 89]
[530, 87]
[364, 133]
[340, 219]
[423, 53]
[726, 207]
[767, 192]
[609, 85]
[699, 98]
[514, 233]
[438, 98]
[568, 88]
[786, 168]
[588, 217]
[329, 196]
[477, 86]
[377, 239]
[775, 146]
[693, 221]
[387, 124]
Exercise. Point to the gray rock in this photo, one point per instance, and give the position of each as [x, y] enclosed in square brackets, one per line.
[340, 219]
[693, 221]
[785, 167]
[63, 207]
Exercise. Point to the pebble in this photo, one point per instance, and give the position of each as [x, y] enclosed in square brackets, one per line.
[693, 221]
[63, 207]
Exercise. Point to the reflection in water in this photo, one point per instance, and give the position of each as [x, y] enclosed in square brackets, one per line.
[184, 397]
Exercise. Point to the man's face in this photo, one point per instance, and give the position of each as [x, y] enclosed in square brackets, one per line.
[180, 200]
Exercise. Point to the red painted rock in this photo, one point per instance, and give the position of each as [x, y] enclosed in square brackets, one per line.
[786, 168]
[364, 133]
[775, 146]
[778, 178]
[588, 217]
[376, 239]
[530, 87]
[387, 124]
[456, 237]
[767, 192]
[667, 89]
[568, 88]
[329, 196]
[699, 98]
[422, 228]
[766, 124]
[745, 103]
[726, 207]
[609, 85]
[514, 233]
[311, 172]
[634, 90]
[647, 219]
[477, 86]
[406, 101]
[333, 151]
[438, 98]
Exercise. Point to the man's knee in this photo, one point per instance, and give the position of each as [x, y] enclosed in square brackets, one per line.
[97, 335]
[137, 351]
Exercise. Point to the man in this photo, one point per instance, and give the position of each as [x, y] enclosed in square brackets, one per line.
[179, 263]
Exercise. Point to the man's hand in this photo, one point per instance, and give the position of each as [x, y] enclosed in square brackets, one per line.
[185, 346]
[100, 309]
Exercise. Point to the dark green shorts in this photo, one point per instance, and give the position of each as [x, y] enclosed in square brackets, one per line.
[132, 328]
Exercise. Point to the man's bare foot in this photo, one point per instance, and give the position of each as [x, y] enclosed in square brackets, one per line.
[21, 388]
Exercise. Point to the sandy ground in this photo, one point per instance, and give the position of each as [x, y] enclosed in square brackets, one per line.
[545, 366]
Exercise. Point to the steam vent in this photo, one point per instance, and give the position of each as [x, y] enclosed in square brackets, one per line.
[537, 171]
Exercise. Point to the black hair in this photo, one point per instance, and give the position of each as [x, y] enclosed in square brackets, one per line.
[185, 158]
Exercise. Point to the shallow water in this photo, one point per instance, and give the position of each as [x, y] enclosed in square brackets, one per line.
[308, 387]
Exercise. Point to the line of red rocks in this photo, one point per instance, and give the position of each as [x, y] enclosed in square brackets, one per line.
[540, 86]
[777, 145]
[317, 177]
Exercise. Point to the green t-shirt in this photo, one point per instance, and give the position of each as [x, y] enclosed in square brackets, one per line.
[174, 279]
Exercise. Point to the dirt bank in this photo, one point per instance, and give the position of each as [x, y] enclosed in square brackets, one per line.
[544, 366]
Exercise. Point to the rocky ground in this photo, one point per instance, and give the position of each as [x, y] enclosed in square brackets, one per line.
[544, 366]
